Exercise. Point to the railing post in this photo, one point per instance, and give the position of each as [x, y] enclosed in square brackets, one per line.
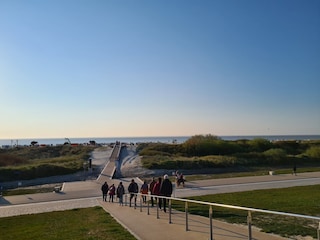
[249, 220]
[157, 207]
[319, 231]
[148, 205]
[170, 211]
[135, 199]
[141, 200]
[186, 210]
[210, 217]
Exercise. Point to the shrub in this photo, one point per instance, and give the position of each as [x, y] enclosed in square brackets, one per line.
[275, 154]
[313, 152]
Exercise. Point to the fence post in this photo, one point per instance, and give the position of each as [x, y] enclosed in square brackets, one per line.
[141, 199]
[157, 207]
[186, 210]
[249, 220]
[211, 229]
[148, 205]
[170, 211]
[319, 231]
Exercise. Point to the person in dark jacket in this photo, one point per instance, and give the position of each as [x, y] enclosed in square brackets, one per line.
[165, 190]
[120, 193]
[133, 190]
[104, 190]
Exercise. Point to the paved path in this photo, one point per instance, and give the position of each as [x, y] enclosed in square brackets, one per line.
[146, 226]
[239, 184]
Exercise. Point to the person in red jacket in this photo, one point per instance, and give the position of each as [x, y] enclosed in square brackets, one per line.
[156, 190]
[151, 186]
[112, 192]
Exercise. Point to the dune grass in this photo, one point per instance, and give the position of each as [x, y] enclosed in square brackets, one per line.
[36, 162]
[299, 200]
[81, 224]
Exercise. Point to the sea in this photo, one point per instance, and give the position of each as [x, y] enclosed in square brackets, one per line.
[134, 140]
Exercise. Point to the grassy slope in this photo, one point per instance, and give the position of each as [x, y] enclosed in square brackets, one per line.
[300, 200]
[80, 224]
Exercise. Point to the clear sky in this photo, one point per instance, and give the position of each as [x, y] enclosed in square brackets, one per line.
[116, 68]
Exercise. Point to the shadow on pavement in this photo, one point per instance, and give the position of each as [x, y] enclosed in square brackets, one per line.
[3, 201]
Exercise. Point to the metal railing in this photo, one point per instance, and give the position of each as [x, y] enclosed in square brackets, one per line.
[210, 211]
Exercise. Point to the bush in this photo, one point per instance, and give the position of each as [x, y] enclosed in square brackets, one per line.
[275, 154]
[42, 161]
[313, 152]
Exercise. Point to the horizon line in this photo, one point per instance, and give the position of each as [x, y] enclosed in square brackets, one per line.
[168, 136]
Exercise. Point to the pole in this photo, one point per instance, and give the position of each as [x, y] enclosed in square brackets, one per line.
[141, 199]
[249, 220]
[186, 210]
[148, 205]
[157, 207]
[170, 211]
[211, 228]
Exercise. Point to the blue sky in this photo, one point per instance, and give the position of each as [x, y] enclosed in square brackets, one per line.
[159, 68]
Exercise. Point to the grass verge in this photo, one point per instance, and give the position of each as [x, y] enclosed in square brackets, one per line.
[252, 172]
[29, 190]
[81, 224]
[300, 200]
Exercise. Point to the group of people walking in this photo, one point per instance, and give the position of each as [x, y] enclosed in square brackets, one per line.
[161, 187]
[112, 190]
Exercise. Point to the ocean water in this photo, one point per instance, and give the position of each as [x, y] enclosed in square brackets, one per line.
[169, 139]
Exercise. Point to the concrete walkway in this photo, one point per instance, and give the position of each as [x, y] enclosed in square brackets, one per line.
[146, 226]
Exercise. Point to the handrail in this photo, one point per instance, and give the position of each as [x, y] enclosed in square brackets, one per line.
[249, 217]
[245, 208]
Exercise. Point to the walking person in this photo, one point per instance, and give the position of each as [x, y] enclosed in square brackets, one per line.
[120, 193]
[112, 192]
[133, 190]
[104, 189]
[294, 170]
[165, 190]
[156, 191]
[144, 191]
[151, 186]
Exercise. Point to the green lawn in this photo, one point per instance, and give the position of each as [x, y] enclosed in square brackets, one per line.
[81, 224]
[255, 171]
[299, 200]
